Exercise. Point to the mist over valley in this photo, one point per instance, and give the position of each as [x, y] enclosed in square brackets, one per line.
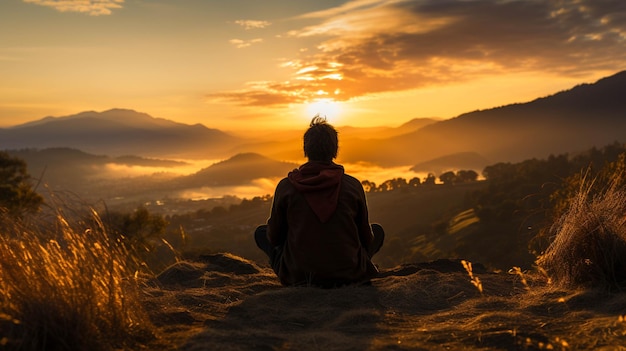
[122, 153]
[218, 185]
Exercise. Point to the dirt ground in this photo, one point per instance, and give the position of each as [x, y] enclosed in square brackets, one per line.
[224, 302]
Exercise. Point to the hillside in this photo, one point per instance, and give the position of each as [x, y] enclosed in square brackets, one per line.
[76, 170]
[228, 303]
[238, 170]
[119, 132]
[286, 145]
[461, 160]
[99, 177]
[569, 121]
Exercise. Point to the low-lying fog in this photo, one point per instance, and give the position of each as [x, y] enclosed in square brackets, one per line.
[258, 187]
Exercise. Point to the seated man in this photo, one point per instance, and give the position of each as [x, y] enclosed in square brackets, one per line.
[318, 232]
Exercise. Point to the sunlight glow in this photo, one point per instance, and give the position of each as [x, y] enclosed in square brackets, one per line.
[324, 107]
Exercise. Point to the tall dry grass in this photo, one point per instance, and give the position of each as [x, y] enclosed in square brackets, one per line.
[589, 246]
[68, 286]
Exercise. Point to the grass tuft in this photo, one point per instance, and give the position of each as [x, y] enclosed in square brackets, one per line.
[473, 279]
[589, 246]
[67, 286]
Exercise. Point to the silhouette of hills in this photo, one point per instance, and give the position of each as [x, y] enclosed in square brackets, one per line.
[569, 121]
[350, 132]
[585, 116]
[99, 176]
[76, 170]
[461, 160]
[287, 144]
[237, 170]
[119, 132]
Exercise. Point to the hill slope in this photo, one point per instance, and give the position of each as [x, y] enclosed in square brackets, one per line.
[577, 119]
[224, 302]
[237, 170]
[119, 132]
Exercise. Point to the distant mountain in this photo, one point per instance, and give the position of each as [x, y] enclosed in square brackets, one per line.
[92, 177]
[459, 161]
[416, 124]
[350, 132]
[119, 132]
[238, 170]
[287, 144]
[65, 168]
[577, 119]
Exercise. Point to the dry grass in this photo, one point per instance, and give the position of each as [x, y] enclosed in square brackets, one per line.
[70, 286]
[589, 246]
[228, 303]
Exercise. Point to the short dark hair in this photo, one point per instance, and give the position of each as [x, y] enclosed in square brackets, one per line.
[320, 141]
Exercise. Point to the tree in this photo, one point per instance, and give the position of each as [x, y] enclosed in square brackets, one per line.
[368, 186]
[17, 195]
[414, 182]
[448, 178]
[393, 184]
[140, 227]
[463, 176]
[430, 179]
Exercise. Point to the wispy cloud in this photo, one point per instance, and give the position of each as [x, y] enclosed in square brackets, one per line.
[240, 43]
[91, 7]
[373, 46]
[252, 24]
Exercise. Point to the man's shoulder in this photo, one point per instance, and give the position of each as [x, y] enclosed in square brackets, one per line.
[351, 181]
[284, 182]
[349, 178]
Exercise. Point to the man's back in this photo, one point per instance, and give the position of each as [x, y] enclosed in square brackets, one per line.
[318, 232]
[321, 252]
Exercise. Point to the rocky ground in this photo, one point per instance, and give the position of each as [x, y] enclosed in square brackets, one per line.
[224, 302]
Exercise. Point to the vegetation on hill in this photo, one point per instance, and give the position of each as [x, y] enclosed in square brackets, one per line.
[588, 248]
[237, 170]
[68, 285]
[17, 195]
[72, 280]
[521, 199]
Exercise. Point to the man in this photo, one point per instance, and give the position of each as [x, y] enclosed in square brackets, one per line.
[318, 232]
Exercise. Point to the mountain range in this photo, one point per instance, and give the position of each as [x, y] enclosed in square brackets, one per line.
[120, 132]
[237, 170]
[91, 176]
[569, 121]
[588, 115]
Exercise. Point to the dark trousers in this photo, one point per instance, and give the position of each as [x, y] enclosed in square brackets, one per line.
[275, 252]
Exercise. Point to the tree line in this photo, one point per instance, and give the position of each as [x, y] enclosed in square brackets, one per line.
[446, 178]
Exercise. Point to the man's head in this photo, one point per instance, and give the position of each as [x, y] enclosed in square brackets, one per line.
[320, 141]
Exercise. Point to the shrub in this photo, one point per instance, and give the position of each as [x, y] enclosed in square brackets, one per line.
[589, 246]
[65, 287]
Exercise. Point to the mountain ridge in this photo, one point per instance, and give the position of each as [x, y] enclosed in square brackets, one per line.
[239, 169]
[120, 132]
[587, 115]
[571, 120]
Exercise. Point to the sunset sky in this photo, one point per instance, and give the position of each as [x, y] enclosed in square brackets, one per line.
[274, 63]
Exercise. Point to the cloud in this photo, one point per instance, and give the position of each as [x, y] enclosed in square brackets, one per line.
[252, 24]
[240, 43]
[374, 46]
[264, 94]
[92, 7]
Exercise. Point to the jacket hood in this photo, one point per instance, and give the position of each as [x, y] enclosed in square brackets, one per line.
[319, 183]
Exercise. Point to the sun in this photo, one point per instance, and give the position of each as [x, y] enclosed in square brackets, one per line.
[325, 107]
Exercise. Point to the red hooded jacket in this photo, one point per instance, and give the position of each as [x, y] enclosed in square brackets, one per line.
[319, 216]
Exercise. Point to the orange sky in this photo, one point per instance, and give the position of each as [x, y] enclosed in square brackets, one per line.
[263, 64]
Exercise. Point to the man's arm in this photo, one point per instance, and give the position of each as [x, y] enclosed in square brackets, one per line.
[365, 230]
[277, 223]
